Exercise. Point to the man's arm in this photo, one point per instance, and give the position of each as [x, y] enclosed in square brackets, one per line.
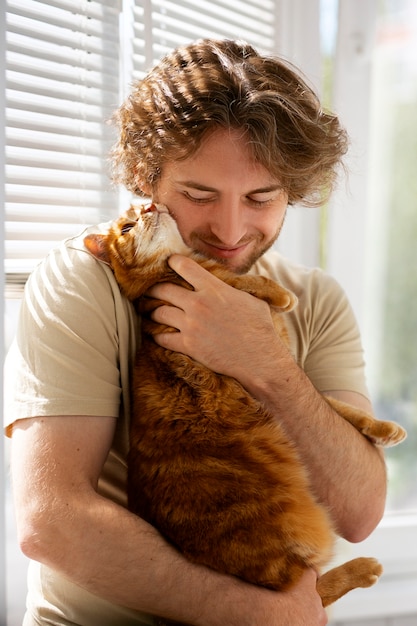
[232, 332]
[348, 471]
[64, 523]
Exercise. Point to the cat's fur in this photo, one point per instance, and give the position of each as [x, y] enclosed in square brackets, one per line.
[208, 465]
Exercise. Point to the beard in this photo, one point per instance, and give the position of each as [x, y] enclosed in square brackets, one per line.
[259, 244]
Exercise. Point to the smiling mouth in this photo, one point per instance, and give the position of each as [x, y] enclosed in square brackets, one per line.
[225, 252]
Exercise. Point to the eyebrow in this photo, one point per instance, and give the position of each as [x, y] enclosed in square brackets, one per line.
[194, 185]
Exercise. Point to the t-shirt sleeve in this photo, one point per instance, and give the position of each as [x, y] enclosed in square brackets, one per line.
[334, 359]
[64, 359]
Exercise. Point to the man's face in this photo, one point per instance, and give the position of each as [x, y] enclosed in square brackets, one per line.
[226, 206]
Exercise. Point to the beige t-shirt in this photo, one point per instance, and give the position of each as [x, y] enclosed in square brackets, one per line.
[73, 354]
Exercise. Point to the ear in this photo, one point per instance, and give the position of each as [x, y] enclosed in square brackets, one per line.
[146, 189]
[97, 245]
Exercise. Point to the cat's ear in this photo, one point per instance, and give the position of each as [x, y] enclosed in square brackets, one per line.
[97, 245]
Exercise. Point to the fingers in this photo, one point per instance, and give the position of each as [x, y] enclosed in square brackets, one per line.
[168, 316]
[191, 271]
[167, 293]
[177, 299]
[198, 277]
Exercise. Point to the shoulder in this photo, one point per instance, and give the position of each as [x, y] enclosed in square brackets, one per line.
[72, 252]
[76, 333]
[325, 338]
[70, 273]
[308, 283]
[322, 302]
[72, 296]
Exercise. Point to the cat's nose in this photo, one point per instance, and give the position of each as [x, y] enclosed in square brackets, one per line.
[151, 208]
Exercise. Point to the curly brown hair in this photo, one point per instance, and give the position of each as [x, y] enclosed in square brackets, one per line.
[220, 83]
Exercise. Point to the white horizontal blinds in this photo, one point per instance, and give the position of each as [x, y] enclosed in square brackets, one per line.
[161, 25]
[62, 82]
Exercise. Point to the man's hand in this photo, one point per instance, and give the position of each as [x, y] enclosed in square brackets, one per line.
[228, 330]
[307, 606]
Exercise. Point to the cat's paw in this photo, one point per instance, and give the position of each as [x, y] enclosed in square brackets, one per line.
[286, 300]
[360, 572]
[383, 433]
[365, 571]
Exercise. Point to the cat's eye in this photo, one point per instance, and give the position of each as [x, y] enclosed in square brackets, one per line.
[127, 227]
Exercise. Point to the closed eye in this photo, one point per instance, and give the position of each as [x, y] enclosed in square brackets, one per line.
[198, 200]
[127, 227]
[263, 198]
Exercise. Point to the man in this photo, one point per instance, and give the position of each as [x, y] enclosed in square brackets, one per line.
[226, 139]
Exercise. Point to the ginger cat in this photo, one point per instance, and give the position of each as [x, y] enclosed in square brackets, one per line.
[208, 465]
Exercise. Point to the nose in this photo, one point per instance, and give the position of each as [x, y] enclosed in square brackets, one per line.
[150, 208]
[228, 223]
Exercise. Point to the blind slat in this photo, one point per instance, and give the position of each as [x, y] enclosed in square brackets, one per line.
[74, 74]
[242, 13]
[51, 214]
[60, 143]
[52, 52]
[52, 17]
[49, 105]
[54, 195]
[29, 83]
[46, 159]
[91, 8]
[44, 178]
[38, 235]
[52, 124]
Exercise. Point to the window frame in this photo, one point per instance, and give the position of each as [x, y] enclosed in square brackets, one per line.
[394, 542]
